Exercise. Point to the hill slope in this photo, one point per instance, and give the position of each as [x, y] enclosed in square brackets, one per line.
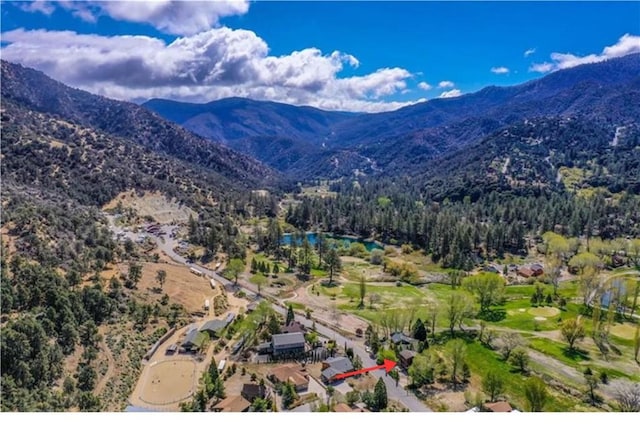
[409, 138]
[32, 90]
[232, 119]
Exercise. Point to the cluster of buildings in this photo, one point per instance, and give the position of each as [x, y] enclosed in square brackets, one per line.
[195, 337]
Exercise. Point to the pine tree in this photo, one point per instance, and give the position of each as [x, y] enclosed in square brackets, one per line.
[380, 395]
[290, 315]
[419, 331]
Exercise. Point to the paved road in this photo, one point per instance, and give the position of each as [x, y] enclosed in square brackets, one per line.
[166, 244]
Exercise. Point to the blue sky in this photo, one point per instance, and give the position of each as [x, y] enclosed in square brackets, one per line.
[358, 56]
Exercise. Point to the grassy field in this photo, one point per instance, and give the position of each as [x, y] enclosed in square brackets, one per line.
[481, 360]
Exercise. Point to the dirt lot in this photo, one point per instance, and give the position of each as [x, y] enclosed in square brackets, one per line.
[169, 381]
[155, 204]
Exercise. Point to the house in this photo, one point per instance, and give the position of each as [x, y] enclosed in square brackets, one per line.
[213, 327]
[491, 269]
[292, 374]
[232, 404]
[617, 261]
[264, 348]
[252, 307]
[229, 318]
[525, 272]
[194, 340]
[399, 338]
[536, 270]
[342, 407]
[288, 343]
[293, 327]
[253, 391]
[406, 358]
[498, 407]
[334, 366]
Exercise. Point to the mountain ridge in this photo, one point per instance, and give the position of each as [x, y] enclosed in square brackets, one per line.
[418, 134]
[34, 90]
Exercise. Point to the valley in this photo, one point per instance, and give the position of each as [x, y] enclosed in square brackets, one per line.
[239, 255]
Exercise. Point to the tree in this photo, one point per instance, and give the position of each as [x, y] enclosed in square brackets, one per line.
[395, 375]
[377, 255]
[353, 397]
[362, 285]
[456, 351]
[290, 315]
[458, 308]
[380, 395]
[433, 311]
[627, 396]
[583, 260]
[333, 262]
[235, 267]
[419, 331]
[161, 278]
[86, 377]
[321, 247]
[259, 281]
[572, 331]
[288, 394]
[273, 324]
[510, 340]
[455, 278]
[535, 391]
[488, 288]
[557, 248]
[493, 384]
[135, 274]
[520, 359]
[423, 368]
[592, 384]
[636, 343]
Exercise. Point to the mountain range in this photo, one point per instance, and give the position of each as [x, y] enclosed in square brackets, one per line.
[336, 144]
[574, 128]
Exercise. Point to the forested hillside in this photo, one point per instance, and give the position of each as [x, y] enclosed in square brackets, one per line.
[414, 138]
[32, 90]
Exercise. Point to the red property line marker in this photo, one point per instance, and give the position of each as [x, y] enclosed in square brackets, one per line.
[388, 365]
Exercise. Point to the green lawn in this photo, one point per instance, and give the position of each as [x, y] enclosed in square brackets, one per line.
[296, 305]
[559, 351]
[481, 360]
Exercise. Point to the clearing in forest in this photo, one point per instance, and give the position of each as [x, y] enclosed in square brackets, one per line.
[153, 204]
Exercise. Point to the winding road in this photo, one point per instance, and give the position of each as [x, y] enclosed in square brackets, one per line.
[166, 244]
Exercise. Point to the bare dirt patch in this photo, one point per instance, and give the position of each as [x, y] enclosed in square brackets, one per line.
[544, 312]
[182, 286]
[168, 381]
[156, 205]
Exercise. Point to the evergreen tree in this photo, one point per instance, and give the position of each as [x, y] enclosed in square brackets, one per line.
[290, 315]
[380, 395]
[419, 330]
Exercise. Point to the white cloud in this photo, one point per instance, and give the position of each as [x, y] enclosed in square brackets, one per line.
[213, 64]
[544, 67]
[45, 7]
[450, 93]
[626, 45]
[424, 86]
[529, 52]
[500, 70]
[445, 84]
[179, 17]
